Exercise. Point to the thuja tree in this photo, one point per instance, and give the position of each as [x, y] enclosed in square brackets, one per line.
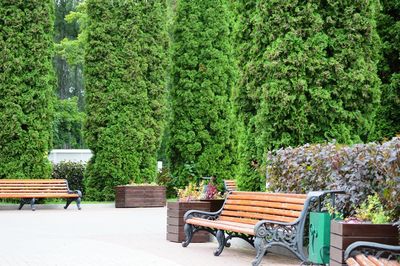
[125, 73]
[389, 68]
[202, 78]
[26, 88]
[314, 68]
[246, 98]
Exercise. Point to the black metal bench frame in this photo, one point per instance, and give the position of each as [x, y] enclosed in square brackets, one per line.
[372, 248]
[266, 233]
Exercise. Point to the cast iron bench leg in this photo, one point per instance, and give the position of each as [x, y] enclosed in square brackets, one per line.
[78, 203]
[21, 204]
[33, 204]
[261, 248]
[68, 203]
[188, 229]
[221, 242]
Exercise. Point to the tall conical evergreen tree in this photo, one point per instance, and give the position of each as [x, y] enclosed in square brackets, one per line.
[312, 76]
[125, 88]
[202, 78]
[246, 98]
[389, 68]
[26, 88]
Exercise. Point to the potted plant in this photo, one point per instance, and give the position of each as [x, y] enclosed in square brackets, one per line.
[188, 199]
[140, 195]
[371, 223]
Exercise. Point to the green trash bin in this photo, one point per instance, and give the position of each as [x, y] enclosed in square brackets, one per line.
[319, 237]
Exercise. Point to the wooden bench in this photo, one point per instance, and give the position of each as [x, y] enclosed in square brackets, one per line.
[230, 185]
[262, 219]
[362, 253]
[28, 190]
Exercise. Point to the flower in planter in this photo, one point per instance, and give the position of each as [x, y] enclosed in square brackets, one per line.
[370, 211]
[189, 193]
[202, 191]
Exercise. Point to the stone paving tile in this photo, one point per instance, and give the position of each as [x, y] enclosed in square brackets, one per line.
[105, 236]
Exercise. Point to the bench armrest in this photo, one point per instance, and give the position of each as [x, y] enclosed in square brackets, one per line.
[374, 248]
[201, 214]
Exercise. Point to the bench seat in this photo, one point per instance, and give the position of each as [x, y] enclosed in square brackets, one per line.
[28, 190]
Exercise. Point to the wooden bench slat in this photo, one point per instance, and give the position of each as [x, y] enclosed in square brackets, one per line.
[290, 195]
[33, 181]
[352, 262]
[270, 198]
[258, 216]
[278, 205]
[389, 263]
[31, 186]
[363, 261]
[238, 220]
[279, 212]
[374, 260]
[222, 226]
[37, 195]
[31, 191]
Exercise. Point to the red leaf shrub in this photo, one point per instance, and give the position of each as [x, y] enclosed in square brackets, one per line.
[360, 170]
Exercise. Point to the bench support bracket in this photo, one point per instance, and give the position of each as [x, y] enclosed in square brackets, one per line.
[188, 229]
[77, 200]
[24, 201]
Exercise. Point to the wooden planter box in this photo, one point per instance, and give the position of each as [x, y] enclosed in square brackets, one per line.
[139, 196]
[342, 235]
[175, 223]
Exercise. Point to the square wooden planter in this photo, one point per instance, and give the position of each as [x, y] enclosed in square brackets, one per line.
[343, 234]
[175, 223]
[139, 196]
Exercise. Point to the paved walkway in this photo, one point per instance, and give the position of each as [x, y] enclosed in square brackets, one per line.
[102, 235]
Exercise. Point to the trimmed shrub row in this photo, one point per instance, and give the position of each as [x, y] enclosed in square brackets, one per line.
[360, 170]
[72, 171]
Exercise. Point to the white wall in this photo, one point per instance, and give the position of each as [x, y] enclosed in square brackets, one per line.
[73, 155]
[77, 155]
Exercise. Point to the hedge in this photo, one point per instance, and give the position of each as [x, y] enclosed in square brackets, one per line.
[360, 170]
[73, 172]
[27, 86]
[125, 75]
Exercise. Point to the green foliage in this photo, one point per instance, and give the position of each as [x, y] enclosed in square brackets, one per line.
[389, 68]
[69, 47]
[68, 122]
[164, 178]
[72, 171]
[309, 74]
[372, 210]
[246, 100]
[360, 170]
[202, 78]
[72, 48]
[26, 88]
[125, 87]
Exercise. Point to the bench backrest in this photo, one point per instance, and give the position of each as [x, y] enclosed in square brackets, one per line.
[251, 207]
[11, 188]
[230, 185]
